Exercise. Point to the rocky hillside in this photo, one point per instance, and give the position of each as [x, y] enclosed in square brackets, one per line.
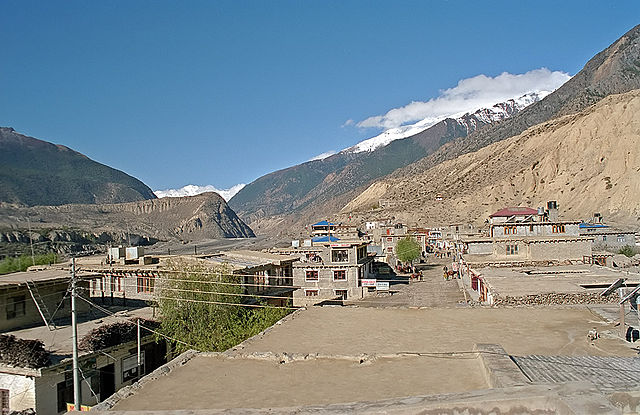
[185, 218]
[329, 183]
[615, 70]
[589, 162]
[35, 172]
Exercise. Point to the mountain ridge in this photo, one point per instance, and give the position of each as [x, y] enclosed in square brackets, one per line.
[336, 177]
[37, 172]
[204, 216]
[537, 165]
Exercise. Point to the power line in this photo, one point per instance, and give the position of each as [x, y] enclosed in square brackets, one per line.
[127, 318]
[232, 304]
[217, 293]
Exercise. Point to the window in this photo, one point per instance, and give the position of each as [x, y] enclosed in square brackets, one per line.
[557, 228]
[342, 294]
[530, 228]
[604, 237]
[339, 255]
[339, 275]
[389, 239]
[311, 276]
[510, 230]
[390, 249]
[310, 293]
[512, 249]
[145, 284]
[16, 306]
[4, 401]
[620, 238]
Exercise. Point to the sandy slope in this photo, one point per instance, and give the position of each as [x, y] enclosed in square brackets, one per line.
[588, 162]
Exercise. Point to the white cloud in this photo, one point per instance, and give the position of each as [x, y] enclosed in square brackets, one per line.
[471, 93]
[323, 155]
[192, 190]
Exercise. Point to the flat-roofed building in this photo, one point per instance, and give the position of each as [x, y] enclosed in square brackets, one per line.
[262, 273]
[521, 234]
[330, 271]
[45, 384]
[29, 298]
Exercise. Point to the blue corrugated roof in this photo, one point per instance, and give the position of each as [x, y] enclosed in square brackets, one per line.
[324, 223]
[585, 225]
[324, 239]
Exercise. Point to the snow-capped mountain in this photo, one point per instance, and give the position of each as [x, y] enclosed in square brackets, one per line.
[498, 112]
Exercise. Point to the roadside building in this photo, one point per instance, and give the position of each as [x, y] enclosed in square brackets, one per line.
[606, 237]
[36, 306]
[520, 234]
[45, 383]
[29, 298]
[390, 241]
[330, 271]
[263, 273]
[323, 228]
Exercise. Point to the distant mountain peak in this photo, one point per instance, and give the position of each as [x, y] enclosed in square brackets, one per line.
[469, 120]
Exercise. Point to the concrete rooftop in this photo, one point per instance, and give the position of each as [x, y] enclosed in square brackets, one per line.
[523, 281]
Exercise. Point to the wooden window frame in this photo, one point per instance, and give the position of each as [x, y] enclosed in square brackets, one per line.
[313, 272]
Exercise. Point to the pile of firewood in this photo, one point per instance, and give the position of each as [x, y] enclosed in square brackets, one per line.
[114, 334]
[23, 353]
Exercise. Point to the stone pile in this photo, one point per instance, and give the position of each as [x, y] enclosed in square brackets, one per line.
[555, 299]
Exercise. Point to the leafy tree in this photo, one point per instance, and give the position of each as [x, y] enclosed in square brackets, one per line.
[627, 251]
[200, 306]
[23, 262]
[407, 249]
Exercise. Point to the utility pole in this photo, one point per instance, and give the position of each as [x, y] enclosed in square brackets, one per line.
[139, 354]
[33, 257]
[623, 330]
[74, 336]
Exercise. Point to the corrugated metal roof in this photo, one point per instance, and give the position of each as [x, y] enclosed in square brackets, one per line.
[585, 225]
[606, 373]
[325, 239]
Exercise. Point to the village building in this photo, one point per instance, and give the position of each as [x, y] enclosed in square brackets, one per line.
[36, 306]
[521, 234]
[261, 273]
[33, 297]
[330, 271]
[48, 388]
[340, 231]
[606, 237]
[393, 235]
[264, 274]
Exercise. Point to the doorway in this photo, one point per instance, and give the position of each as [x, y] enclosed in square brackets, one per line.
[107, 381]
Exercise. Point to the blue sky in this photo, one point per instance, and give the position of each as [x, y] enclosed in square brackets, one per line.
[223, 92]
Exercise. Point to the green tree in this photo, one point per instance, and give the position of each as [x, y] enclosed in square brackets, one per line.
[627, 251]
[408, 250]
[21, 263]
[202, 307]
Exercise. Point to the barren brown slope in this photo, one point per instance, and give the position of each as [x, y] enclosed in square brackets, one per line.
[615, 70]
[589, 162]
[190, 218]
